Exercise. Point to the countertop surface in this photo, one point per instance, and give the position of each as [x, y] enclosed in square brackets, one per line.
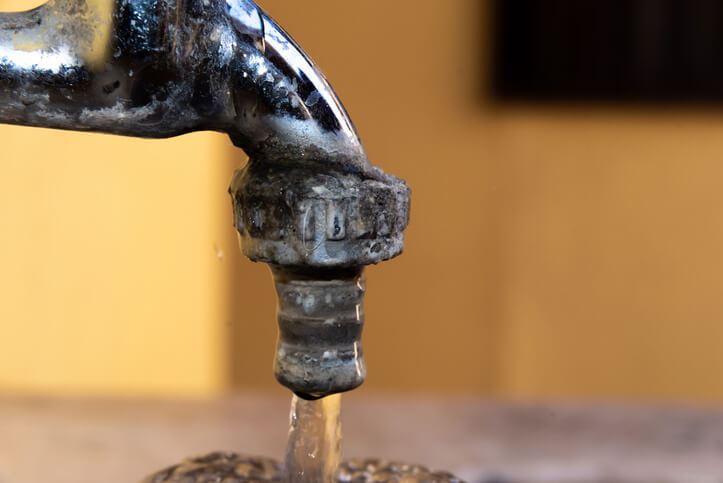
[110, 441]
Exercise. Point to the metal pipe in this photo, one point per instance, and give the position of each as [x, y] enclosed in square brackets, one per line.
[308, 203]
[160, 68]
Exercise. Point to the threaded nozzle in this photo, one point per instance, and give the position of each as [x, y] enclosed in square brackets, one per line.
[319, 349]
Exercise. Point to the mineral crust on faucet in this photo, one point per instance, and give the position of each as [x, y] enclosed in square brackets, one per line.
[317, 229]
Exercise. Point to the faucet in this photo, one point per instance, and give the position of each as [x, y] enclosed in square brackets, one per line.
[308, 203]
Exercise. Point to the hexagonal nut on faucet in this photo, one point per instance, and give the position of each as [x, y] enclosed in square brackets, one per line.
[306, 218]
[318, 229]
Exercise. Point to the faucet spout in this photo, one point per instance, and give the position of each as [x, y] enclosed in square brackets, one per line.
[156, 69]
[308, 203]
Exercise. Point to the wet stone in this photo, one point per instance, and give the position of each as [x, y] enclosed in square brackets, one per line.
[220, 468]
[372, 470]
[233, 468]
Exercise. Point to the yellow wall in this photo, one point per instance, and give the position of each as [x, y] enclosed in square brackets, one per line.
[552, 253]
[110, 280]
[611, 238]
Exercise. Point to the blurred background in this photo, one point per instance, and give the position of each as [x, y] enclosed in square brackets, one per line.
[563, 272]
[566, 230]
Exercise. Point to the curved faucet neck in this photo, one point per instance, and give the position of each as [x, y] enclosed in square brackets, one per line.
[153, 68]
[309, 203]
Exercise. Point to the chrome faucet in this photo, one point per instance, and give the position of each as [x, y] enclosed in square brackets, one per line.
[308, 203]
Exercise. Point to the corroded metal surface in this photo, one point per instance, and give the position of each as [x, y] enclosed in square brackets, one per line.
[160, 68]
[308, 200]
[233, 468]
[312, 218]
[319, 349]
[318, 229]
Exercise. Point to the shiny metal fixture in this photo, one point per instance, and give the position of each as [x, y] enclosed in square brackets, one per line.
[160, 68]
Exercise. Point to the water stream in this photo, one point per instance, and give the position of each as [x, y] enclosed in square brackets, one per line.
[312, 456]
[313, 450]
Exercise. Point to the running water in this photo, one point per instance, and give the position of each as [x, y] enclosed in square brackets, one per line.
[313, 451]
[312, 456]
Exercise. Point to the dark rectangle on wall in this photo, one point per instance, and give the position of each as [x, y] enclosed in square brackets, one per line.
[657, 51]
